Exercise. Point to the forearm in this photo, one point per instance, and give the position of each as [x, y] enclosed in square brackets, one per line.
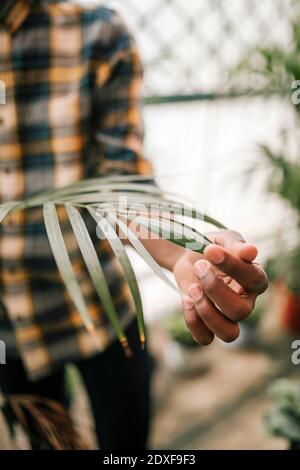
[164, 252]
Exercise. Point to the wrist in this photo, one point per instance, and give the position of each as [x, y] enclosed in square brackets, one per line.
[187, 257]
[175, 254]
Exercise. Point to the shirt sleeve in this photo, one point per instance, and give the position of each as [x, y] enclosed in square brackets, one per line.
[119, 129]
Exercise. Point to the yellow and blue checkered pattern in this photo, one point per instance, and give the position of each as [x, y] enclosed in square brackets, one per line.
[73, 80]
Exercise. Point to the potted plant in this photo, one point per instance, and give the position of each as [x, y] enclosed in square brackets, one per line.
[277, 70]
[283, 417]
[284, 267]
[182, 355]
[284, 271]
[249, 329]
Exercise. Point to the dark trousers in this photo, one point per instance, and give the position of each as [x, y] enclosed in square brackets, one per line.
[118, 389]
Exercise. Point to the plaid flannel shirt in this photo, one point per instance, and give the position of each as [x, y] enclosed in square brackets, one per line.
[73, 79]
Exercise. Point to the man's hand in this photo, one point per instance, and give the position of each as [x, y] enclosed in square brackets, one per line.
[219, 288]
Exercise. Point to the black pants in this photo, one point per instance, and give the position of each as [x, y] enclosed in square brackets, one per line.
[118, 389]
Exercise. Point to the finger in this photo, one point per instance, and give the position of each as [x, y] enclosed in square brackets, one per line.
[185, 275]
[231, 304]
[251, 276]
[233, 241]
[225, 329]
[195, 324]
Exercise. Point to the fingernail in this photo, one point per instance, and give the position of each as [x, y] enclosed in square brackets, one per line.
[217, 256]
[195, 292]
[202, 268]
[248, 245]
[187, 303]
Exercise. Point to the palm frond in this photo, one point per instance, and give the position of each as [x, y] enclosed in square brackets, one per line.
[118, 204]
[120, 252]
[96, 272]
[6, 208]
[141, 250]
[64, 264]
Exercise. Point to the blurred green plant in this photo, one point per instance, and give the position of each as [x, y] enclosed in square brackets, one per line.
[283, 417]
[284, 182]
[272, 69]
[277, 69]
[257, 313]
[113, 202]
[283, 178]
[285, 267]
[178, 331]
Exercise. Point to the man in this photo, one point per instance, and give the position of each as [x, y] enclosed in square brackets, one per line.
[73, 79]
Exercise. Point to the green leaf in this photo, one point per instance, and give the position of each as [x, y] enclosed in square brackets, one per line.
[144, 254]
[64, 265]
[93, 265]
[167, 205]
[181, 234]
[6, 208]
[121, 254]
[283, 423]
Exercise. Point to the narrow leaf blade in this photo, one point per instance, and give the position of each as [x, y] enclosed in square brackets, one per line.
[95, 270]
[64, 265]
[122, 256]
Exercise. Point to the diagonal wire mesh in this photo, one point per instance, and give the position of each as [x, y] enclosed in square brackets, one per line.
[189, 46]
